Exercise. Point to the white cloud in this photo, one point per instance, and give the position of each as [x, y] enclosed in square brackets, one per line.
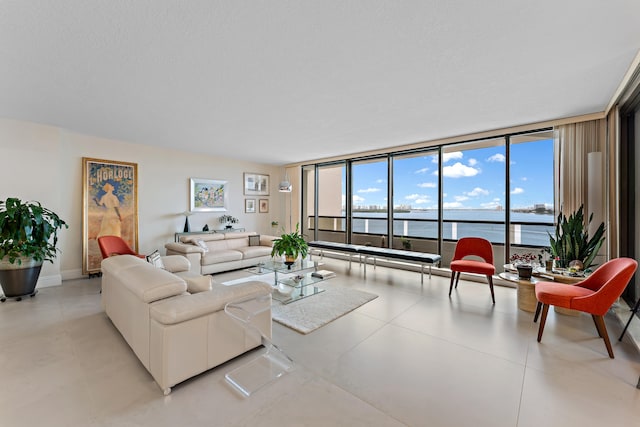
[369, 190]
[357, 199]
[461, 198]
[451, 205]
[428, 185]
[472, 162]
[380, 181]
[418, 198]
[458, 170]
[477, 192]
[497, 158]
[490, 205]
[423, 170]
[517, 190]
[448, 156]
[524, 178]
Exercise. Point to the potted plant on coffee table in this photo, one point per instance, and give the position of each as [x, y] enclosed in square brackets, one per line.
[291, 245]
[28, 237]
[571, 241]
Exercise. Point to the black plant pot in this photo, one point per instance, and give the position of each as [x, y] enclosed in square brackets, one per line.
[18, 281]
[524, 271]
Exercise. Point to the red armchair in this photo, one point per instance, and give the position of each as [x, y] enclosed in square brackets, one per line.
[474, 247]
[114, 245]
[594, 295]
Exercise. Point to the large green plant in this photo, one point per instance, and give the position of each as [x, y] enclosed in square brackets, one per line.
[28, 230]
[571, 241]
[291, 244]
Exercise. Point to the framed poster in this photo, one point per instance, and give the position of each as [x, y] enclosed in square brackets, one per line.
[250, 205]
[263, 205]
[208, 195]
[109, 207]
[256, 184]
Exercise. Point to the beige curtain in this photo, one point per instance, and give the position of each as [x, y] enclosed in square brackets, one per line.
[574, 143]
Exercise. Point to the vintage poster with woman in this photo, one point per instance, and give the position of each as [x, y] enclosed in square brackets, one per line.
[110, 207]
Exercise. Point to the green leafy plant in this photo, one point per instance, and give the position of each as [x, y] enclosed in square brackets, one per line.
[291, 245]
[571, 241]
[28, 230]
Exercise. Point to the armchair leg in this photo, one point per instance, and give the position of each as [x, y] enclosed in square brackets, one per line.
[490, 280]
[538, 307]
[453, 275]
[457, 278]
[602, 330]
[545, 310]
[593, 316]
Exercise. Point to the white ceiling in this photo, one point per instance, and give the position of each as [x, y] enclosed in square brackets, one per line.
[278, 81]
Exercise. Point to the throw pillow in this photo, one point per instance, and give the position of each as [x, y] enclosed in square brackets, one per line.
[254, 240]
[202, 244]
[155, 259]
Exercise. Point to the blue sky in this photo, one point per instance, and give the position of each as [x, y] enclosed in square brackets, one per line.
[472, 179]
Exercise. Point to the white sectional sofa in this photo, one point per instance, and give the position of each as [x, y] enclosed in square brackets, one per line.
[176, 331]
[217, 252]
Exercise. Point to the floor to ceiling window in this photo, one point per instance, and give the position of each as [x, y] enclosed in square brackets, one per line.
[369, 201]
[498, 188]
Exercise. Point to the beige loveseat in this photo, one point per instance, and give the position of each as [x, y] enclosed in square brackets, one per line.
[213, 253]
[177, 334]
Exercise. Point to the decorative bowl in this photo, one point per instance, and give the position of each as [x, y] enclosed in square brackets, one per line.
[285, 289]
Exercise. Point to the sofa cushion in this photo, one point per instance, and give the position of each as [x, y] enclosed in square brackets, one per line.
[206, 237]
[254, 240]
[151, 284]
[237, 243]
[197, 283]
[188, 307]
[218, 256]
[255, 251]
[176, 263]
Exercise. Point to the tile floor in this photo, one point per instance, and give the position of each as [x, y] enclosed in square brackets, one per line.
[412, 357]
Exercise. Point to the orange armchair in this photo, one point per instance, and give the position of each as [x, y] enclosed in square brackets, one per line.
[476, 247]
[594, 295]
[114, 245]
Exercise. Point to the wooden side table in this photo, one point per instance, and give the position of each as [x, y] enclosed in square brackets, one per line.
[526, 291]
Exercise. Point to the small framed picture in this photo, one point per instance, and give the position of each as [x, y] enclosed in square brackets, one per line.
[264, 205]
[256, 184]
[250, 205]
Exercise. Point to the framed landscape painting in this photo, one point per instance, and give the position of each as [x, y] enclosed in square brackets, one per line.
[109, 207]
[208, 195]
[250, 205]
[256, 184]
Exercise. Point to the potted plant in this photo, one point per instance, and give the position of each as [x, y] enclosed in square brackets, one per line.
[571, 241]
[228, 220]
[523, 263]
[291, 245]
[28, 237]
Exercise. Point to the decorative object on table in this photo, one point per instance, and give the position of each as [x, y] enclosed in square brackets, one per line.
[571, 241]
[206, 227]
[208, 195]
[187, 226]
[250, 205]
[291, 245]
[228, 221]
[274, 224]
[524, 264]
[256, 184]
[109, 207]
[263, 205]
[28, 237]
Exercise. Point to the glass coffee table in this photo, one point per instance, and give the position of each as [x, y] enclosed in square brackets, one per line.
[293, 288]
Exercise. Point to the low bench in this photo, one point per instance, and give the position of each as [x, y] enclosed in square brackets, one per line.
[422, 258]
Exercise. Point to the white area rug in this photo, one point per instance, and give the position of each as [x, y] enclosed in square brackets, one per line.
[309, 314]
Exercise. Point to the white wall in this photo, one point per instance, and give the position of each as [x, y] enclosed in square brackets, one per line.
[44, 163]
